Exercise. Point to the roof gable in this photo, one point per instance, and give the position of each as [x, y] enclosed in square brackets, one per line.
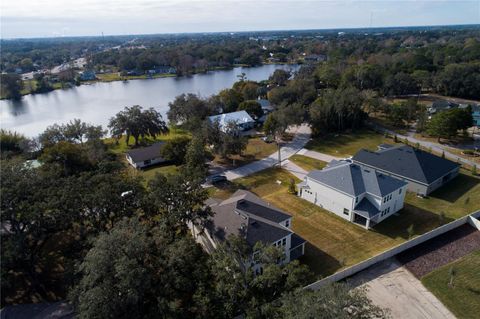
[146, 153]
[407, 162]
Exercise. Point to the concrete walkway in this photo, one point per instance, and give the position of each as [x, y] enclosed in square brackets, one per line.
[302, 136]
[294, 169]
[435, 147]
[317, 155]
[392, 286]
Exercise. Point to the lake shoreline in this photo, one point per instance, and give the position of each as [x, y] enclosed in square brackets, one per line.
[108, 78]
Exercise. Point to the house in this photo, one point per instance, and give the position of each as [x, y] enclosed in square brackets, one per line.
[441, 105]
[87, 75]
[242, 120]
[360, 195]
[424, 172]
[248, 216]
[312, 58]
[266, 106]
[476, 115]
[145, 156]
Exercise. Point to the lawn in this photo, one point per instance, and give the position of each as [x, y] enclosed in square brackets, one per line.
[307, 163]
[109, 77]
[256, 150]
[459, 197]
[150, 172]
[347, 144]
[463, 298]
[121, 146]
[335, 243]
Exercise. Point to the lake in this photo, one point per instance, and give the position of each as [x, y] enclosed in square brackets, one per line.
[98, 102]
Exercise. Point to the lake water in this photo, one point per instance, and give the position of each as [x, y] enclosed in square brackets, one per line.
[98, 102]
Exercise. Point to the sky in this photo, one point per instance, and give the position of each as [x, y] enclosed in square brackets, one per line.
[53, 18]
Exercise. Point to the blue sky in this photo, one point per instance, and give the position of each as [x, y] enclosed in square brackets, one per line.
[47, 18]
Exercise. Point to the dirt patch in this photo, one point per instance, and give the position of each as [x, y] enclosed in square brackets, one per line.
[441, 250]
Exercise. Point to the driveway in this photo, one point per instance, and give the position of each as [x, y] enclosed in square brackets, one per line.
[317, 155]
[294, 169]
[302, 136]
[392, 286]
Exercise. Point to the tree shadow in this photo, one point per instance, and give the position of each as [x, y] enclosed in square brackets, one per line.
[456, 188]
[319, 262]
[397, 225]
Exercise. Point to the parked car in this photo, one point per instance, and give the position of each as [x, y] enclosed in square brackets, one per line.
[214, 179]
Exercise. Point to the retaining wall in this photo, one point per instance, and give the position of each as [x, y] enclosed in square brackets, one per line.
[472, 218]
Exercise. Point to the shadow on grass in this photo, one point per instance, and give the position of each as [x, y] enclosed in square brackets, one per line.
[456, 188]
[397, 225]
[319, 262]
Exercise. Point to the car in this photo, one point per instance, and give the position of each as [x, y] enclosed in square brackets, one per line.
[216, 179]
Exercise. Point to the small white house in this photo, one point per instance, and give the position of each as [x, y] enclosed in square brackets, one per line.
[145, 156]
[359, 195]
[242, 120]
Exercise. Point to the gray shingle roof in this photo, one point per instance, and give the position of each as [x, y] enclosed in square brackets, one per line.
[407, 162]
[354, 180]
[366, 209]
[248, 216]
[146, 153]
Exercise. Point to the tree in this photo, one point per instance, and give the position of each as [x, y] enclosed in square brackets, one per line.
[230, 99]
[189, 111]
[135, 271]
[236, 286]
[11, 86]
[447, 123]
[195, 159]
[67, 157]
[279, 77]
[179, 200]
[133, 121]
[397, 114]
[175, 149]
[336, 300]
[74, 131]
[252, 107]
[14, 143]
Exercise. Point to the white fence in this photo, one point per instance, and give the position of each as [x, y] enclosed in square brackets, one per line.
[471, 219]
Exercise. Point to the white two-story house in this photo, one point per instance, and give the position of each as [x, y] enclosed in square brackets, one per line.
[248, 216]
[359, 195]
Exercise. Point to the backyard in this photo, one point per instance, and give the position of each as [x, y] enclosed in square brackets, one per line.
[307, 163]
[347, 144]
[463, 297]
[334, 243]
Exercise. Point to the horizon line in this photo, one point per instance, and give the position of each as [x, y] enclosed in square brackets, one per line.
[244, 31]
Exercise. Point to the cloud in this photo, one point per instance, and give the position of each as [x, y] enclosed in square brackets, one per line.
[33, 18]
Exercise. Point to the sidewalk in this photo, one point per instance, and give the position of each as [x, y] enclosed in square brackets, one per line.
[302, 136]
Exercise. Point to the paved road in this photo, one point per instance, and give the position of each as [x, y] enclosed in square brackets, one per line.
[302, 135]
[434, 146]
[392, 286]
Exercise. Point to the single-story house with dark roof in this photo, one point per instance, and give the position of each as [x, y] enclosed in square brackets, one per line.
[360, 195]
[246, 215]
[424, 172]
[145, 156]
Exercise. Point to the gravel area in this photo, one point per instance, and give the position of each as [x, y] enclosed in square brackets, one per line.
[424, 258]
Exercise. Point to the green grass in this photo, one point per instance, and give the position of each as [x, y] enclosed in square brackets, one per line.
[347, 144]
[110, 77]
[121, 146]
[256, 149]
[334, 243]
[463, 298]
[456, 199]
[149, 173]
[307, 163]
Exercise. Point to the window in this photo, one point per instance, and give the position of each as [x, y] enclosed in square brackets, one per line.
[287, 223]
[346, 211]
[356, 200]
[400, 191]
[284, 242]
